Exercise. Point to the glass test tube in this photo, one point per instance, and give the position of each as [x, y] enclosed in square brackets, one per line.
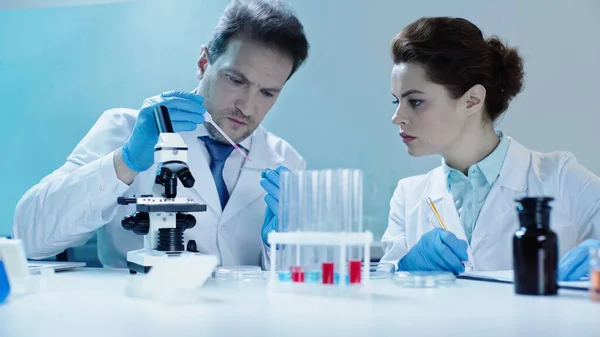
[350, 191]
[355, 203]
[297, 268]
[326, 224]
[287, 216]
[311, 224]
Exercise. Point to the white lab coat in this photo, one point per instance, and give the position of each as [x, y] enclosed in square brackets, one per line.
[69, 205]
[575, 212]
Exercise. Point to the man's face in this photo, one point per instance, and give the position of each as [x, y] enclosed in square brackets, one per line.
[241, 86]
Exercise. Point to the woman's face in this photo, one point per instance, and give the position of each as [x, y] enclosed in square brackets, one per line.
[430, 121]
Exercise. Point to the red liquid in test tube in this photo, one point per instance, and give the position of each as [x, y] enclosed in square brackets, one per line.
[297, 274]
[327, 274]
[355, 271]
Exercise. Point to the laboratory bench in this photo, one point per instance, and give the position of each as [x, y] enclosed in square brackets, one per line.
[93, 302]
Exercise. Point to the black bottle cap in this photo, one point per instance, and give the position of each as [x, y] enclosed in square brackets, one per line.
[534, 211]
[534, 203]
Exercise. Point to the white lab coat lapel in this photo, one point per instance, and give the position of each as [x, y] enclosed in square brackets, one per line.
[437, 190]
[205, 183]
[498, 214]
[248, 188]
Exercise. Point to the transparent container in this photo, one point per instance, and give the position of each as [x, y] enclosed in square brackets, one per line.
[423, 279]
[320, 201]
[381, 270]
[239, 274]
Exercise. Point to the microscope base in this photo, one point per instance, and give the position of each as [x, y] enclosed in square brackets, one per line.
[142, 260]
[135, 268]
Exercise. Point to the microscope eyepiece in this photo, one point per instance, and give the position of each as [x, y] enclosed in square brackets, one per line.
[162, 119]
[186, 177]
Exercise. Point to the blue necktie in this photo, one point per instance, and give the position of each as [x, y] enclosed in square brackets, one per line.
[218, 152]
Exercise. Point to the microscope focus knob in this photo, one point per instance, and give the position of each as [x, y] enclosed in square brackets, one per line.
[192, 247]
[128, 223]
[139, 223]
[185, 221]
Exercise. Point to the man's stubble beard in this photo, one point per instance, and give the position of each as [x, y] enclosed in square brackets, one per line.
[217, 135]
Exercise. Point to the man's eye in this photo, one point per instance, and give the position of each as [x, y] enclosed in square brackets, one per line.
[235, 80]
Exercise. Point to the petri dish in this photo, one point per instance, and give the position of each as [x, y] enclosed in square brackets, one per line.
[423, 279]
[238, 273]
[381, 270]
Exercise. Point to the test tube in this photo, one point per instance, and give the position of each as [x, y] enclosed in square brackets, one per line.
[288, 202]
[325, 205]
[300, 205]
[595, 274]
[326, 223]
[300, 262]
[287, 223]
[311, 219]
[357, 191]
[354, 182]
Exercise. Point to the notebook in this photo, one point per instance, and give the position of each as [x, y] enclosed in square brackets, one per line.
[506, 276]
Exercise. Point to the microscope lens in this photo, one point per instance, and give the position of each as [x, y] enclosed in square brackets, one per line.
[186, 178]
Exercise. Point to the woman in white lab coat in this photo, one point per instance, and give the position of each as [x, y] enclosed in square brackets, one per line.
[450, 84]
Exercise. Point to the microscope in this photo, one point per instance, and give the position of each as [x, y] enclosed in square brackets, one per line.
[161, 217]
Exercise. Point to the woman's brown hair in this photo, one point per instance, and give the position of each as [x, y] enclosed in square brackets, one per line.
[455, 54]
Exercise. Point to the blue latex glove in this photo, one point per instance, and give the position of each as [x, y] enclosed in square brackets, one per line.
[576, 263]
[4, 284]
[270, 183]
[437, 250]
[186, 111]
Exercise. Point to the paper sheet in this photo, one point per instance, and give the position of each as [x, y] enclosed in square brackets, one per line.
[506, 276]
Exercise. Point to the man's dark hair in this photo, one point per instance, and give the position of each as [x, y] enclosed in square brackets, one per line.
[270, 22]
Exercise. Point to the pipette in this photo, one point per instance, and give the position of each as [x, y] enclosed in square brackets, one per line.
[252, 169]
[208, 118]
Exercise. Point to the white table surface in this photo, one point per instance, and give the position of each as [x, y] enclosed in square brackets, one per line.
[92, 302]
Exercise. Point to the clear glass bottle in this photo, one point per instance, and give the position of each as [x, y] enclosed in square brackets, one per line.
[535, 249]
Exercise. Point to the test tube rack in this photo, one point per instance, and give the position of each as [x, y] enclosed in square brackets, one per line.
[356, 276]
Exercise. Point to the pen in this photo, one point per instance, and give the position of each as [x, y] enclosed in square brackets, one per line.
[436, 213]
[467, 264]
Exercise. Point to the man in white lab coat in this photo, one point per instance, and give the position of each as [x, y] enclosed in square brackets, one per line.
[256, 47]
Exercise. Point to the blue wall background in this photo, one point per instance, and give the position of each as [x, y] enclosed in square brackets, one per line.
[61, 67]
